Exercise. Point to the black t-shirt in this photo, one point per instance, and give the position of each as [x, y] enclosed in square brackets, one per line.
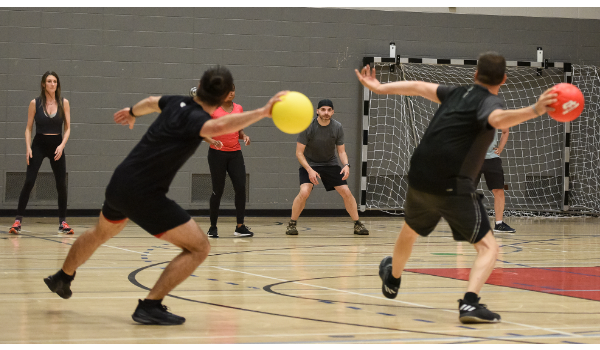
[454, 145]
[169, 142]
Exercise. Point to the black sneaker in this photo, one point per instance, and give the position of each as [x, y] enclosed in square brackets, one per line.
[16, 228]
[385, 271]
[360, 229]
[243, 231]
[476, 313]
[60, 286]
[213, 232]
[503, 228]
[291, 229]
[159, 315]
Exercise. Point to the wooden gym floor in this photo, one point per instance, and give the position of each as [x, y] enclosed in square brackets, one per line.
[319, 287]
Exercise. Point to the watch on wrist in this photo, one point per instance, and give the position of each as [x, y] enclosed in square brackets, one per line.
[348, 165]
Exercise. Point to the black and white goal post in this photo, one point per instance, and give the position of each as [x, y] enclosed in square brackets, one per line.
[535, 158]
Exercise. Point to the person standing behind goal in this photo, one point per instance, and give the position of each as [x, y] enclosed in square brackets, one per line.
[315, 151]
[494, 179]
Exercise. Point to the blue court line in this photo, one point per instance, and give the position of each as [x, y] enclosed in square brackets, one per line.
[354, 308]
[326, 301]
[466, 327]
[384, 314]
[570, 342]
[581, 332]
[515, 334]
[341, 336]
[416, 319]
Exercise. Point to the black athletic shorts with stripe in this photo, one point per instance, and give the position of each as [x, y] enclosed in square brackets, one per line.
[465, 214]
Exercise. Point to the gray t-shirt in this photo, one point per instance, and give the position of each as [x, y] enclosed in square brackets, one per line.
[490, 152]
[321, 142]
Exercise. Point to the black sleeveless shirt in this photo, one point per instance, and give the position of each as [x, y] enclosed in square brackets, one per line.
[45, 124]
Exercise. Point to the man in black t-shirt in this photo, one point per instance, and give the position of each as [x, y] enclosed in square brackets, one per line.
[138, 187]
[443, 168]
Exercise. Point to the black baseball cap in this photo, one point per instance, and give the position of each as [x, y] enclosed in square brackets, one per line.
[325, 102]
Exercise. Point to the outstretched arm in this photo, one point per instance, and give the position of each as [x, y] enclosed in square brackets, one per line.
[146, 106]
[235, 122]
[503, 119]
[408, 88]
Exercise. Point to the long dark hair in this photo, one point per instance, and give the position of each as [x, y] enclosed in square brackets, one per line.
[59, 103]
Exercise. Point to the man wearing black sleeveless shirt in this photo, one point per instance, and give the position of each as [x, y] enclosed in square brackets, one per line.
[138, 187]
[443, 168]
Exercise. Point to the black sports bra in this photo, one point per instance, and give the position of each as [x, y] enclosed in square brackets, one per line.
[45, 124]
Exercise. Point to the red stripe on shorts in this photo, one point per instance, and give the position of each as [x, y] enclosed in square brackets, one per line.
[160, 234]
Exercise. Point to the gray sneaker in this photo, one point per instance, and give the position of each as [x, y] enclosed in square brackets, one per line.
[291, 229]
[360, 229]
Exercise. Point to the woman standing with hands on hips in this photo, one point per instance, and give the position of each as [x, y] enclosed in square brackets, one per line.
[50, 112]
[225, 156]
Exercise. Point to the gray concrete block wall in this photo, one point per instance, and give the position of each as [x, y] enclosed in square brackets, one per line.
[109, 58]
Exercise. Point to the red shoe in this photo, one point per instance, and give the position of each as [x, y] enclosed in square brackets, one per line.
[16, 228]
[65, 229]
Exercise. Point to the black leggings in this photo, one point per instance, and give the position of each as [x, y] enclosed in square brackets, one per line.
[44, 146]
[220, 163]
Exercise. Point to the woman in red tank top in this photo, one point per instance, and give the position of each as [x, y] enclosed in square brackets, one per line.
[225, 157]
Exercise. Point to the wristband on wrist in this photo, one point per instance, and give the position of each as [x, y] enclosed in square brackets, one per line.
[535, 111]
[348, 165]
[131, 112]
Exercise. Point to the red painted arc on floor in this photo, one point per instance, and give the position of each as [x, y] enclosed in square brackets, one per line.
[578, 282]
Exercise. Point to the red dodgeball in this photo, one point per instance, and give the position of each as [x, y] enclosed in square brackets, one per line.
[569, 104]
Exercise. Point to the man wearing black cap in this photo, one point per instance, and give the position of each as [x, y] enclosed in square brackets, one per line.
[315, 151]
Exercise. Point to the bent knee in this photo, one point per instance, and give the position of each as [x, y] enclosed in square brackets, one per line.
[200, 246]
[304, 194]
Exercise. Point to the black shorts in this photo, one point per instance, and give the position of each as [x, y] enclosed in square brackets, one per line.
[152, 210]
[493, 172]
[464, 213]
[330, 176]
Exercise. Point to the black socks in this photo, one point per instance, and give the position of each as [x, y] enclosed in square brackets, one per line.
[63, 276]
[471, 298]
[393, 280]
[154, 303]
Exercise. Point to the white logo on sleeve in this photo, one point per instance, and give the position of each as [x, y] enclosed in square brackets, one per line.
[182, 104]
